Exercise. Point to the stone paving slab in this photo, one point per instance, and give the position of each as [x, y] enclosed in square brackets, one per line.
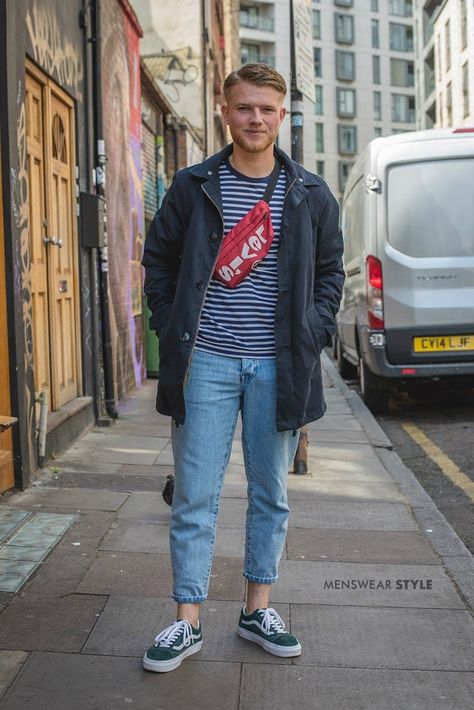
[70, 498]
[306, 582]
[326, 489]
[56, 681]
[438, 530]
[98, 439]
[149, 575]
[119, 482]
[343, 470]
[359, 546]
[351, 515]
[306, 688]
[151, 506]
[360, 637]
[59, 624]
[128, 626]
[337, 435]
[342, 451]
[60, 574]
[10, 664]
[339, 422]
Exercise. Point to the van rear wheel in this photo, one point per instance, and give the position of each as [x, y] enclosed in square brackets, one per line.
[375, 390]
[345, 368]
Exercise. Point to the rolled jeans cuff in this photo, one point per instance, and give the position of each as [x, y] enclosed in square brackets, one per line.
[188, 600]
[259, 580]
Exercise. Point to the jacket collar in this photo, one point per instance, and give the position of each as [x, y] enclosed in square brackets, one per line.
[209, 169]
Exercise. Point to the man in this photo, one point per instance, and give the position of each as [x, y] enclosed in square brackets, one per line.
[254, 348]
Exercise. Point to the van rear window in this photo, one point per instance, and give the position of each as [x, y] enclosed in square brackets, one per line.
[430, 208]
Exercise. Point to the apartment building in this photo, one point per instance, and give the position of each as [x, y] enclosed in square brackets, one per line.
[363, 73]
[453, 34]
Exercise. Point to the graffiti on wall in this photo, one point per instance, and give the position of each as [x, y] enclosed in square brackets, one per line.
[19, 200]
[122, 133]
[51, 50]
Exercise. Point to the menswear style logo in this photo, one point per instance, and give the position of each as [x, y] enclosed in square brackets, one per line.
[379, 584]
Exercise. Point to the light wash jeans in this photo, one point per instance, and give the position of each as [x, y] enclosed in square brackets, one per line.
[216, 388]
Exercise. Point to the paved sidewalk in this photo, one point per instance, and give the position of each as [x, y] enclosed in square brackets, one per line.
[375, 583]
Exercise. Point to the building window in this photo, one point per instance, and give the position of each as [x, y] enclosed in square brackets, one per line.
[318, 103]
[346, 102]
[377, 131]
[402, 72]
[375, 69]
[320, 168]
[449, 104]
[447, 44]
[402, 8]
[250, 53]
[374, 5]
[377, 106]
[316, 24]
[319, 137]
[344, 169]
[401, 37]
[375, 34]
[345, 65]
[318, 70]
[344, 3]
[344, 25]
[403, 108]
[347, 139]
[463, 24]
[465, 89]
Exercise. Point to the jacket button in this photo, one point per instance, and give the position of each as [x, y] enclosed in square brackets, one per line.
[213, 237]
[199, 285]
[184, 337]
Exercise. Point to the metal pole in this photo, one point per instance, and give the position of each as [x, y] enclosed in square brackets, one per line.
[296, 102]
[300, 462]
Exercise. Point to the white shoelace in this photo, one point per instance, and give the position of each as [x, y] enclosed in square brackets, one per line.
[169, 635]
[272, 621]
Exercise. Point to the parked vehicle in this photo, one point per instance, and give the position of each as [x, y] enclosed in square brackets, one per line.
[408, 220]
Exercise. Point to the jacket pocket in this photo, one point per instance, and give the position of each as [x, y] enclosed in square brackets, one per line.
[318, 331]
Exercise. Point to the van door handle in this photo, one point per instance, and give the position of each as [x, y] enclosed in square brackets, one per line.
[355, 270]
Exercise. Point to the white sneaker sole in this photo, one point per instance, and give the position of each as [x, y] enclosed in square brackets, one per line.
[274, 649]
[165, 666]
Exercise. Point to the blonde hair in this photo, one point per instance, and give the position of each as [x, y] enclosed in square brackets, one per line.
[259, 74]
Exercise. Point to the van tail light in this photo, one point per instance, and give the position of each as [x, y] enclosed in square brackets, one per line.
[374, 293]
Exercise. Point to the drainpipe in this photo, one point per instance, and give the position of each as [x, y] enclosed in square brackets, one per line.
[86, 26]
[101, 160]
[43, 425]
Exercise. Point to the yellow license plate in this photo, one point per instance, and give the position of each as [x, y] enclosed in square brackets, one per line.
[443, 343]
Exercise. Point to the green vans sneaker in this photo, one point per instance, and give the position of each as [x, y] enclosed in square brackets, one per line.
[266, 627]
[175, 643]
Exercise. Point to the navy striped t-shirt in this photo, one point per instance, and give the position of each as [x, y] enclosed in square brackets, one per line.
[240, 321]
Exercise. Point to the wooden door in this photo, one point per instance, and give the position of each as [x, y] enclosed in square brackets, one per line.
[37, 234]
[53, 239]
[62, 250]
[6, 421]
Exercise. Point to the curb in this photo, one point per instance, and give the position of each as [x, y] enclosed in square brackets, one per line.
[453, 553]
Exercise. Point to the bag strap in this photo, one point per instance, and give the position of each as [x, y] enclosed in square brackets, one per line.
[272, 181]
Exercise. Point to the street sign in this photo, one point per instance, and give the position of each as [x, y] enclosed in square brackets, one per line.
[303, 44]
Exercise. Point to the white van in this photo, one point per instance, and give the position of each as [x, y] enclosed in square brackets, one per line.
[408, 221]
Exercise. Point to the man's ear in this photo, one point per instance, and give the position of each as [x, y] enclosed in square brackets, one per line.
[283, 112]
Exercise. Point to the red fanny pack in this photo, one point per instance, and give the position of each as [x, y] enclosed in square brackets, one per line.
[246, 244]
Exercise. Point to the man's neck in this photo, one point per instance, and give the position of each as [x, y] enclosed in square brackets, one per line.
[252, 164]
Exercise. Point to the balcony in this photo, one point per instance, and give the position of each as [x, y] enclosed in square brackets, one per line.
[256, 22]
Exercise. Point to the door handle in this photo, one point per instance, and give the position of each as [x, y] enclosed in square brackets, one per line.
[55, 241]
